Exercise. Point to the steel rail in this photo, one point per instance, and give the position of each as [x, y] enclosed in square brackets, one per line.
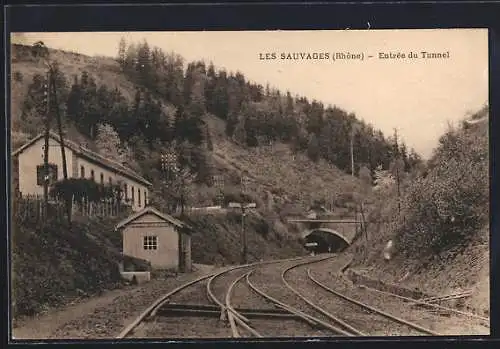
[165, 298]
[211, 296]
[419, 302]
[330, 316]
[311, 320]
[160, 301]
[152, 309]
[373, 309]
[233, 313]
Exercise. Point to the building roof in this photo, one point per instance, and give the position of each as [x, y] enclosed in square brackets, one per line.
[90, 155]
[152, 210]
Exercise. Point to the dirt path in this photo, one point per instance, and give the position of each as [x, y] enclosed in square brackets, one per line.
[102, 316]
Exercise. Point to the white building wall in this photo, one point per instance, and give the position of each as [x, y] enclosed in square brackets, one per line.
[115, 178]
[32, 157]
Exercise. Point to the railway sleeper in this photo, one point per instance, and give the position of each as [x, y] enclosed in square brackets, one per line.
[216, 308]
[168, 312]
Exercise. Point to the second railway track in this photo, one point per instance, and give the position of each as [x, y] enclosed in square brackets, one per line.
[281, 298]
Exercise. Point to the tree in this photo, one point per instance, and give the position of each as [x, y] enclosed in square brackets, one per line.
[397, 170]
[383, 179]
[313, 150]
[122, 52]
[365, 177]
[35, 104]
[108, 143]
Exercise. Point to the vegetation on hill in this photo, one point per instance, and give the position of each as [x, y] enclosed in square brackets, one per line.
[148, 102]
[217, 238]
[54, 264]
[440, 222]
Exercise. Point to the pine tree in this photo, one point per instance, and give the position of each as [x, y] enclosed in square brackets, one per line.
[122, 52]
[313, 150]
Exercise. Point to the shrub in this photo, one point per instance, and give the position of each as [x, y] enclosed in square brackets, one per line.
[51, 264]
[450, 204]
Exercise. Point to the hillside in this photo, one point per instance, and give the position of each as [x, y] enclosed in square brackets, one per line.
[87, 255]
[54, 265]
[441, 236]
[278, 175]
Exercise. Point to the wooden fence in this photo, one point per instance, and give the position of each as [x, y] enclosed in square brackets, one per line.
[30, 208]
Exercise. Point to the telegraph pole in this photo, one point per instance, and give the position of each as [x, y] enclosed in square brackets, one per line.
[219, 185]
[68, 199]
[396, 163]
[352, 151]
[168, 163]
[46, 174]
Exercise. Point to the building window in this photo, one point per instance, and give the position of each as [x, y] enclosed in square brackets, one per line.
[145, 198]
[110, 181]
[126, 191]
[139, 197]
[82, 172]
[40, 174]
[102, 178]
[92, 175]
[151, 242]
[133, 196]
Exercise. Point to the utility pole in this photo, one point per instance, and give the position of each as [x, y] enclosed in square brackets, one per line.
[353, 131]
[68, 199]
[396, 163]
[352, 152]
[46, 174]
[219, 185]
[39, 50]
[168, 164]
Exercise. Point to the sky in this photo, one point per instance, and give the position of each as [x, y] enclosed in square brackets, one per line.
[418, 96]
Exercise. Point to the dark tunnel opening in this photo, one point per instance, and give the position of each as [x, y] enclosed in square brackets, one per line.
[324, 242]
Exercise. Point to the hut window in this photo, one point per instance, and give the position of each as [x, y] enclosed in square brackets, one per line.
[82, 172]
[151, 242]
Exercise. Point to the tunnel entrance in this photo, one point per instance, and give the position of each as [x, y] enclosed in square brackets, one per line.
[323, 241]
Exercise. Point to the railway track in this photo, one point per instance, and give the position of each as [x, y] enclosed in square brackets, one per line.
[207, 306]
[266, 299]
[417, 315]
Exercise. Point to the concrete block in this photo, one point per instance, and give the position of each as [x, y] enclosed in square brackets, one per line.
[140, 276]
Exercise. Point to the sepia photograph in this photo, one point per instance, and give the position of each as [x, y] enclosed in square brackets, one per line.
[178, 185]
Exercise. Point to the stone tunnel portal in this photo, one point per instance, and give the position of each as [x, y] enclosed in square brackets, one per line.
[327, 240]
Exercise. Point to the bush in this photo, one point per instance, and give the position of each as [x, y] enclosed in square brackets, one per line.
[449, 205]
[52, 264]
